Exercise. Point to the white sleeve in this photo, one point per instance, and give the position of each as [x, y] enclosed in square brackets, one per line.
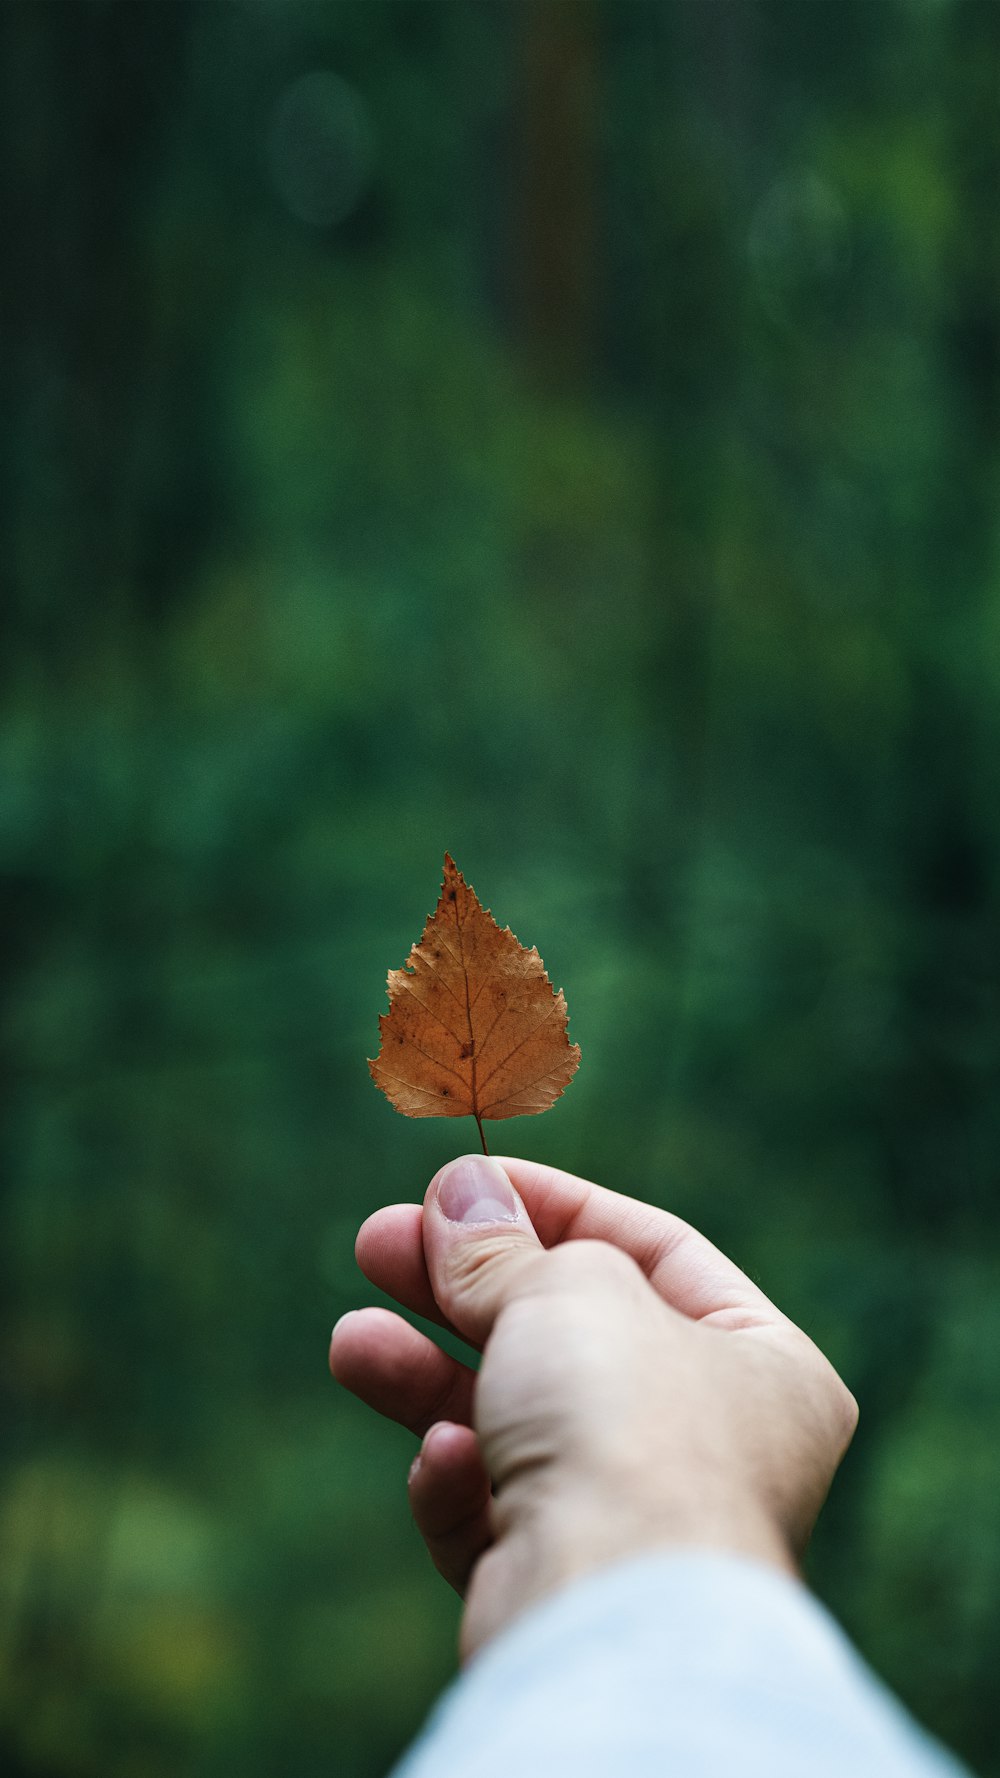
[675, 1665]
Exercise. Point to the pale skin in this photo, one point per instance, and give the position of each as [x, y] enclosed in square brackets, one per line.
[636, 1390]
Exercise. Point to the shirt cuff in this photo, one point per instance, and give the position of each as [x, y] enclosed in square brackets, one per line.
[681, 1664]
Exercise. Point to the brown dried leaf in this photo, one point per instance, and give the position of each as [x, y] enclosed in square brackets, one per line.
[474, 1027]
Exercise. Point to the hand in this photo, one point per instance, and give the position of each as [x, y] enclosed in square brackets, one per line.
[636, 1390]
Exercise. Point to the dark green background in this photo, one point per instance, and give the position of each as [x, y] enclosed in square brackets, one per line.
[568, 434]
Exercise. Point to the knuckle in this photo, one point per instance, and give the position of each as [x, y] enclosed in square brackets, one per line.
[848, 1413]
[596, 1263]
[841, 1407]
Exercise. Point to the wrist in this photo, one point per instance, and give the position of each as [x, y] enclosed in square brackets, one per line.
[579, 1527]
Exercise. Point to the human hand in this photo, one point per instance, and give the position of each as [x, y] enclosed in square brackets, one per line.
[636, 1389]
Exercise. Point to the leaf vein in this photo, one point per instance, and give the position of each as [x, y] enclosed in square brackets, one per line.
[425, 1092]
[438, 977]
[550, 1074]
[429, 1009]
[483, 1041]
[519, 1046]
[412, 1044]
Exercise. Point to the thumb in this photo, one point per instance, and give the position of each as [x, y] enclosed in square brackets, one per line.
[479, 1244]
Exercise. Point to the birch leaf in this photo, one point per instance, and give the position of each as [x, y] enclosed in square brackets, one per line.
[474, 1027]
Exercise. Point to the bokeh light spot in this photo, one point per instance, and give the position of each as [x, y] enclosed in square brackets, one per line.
[799, 245]
[320, 149]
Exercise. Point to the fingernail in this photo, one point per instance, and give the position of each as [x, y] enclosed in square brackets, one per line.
[476, 1189]
[415, 1466]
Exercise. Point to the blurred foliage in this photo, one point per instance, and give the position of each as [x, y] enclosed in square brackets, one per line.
[566, 433]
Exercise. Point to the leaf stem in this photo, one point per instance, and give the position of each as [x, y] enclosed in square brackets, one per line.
[479, 1127]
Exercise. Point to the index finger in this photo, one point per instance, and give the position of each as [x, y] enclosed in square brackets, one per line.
[682, 1265]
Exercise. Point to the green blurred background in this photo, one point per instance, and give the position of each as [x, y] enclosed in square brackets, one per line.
[567, 433]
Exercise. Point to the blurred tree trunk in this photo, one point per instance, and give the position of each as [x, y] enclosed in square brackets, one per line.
[694, 340]
[557, 180]
[92, 522]
[941, 1119]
